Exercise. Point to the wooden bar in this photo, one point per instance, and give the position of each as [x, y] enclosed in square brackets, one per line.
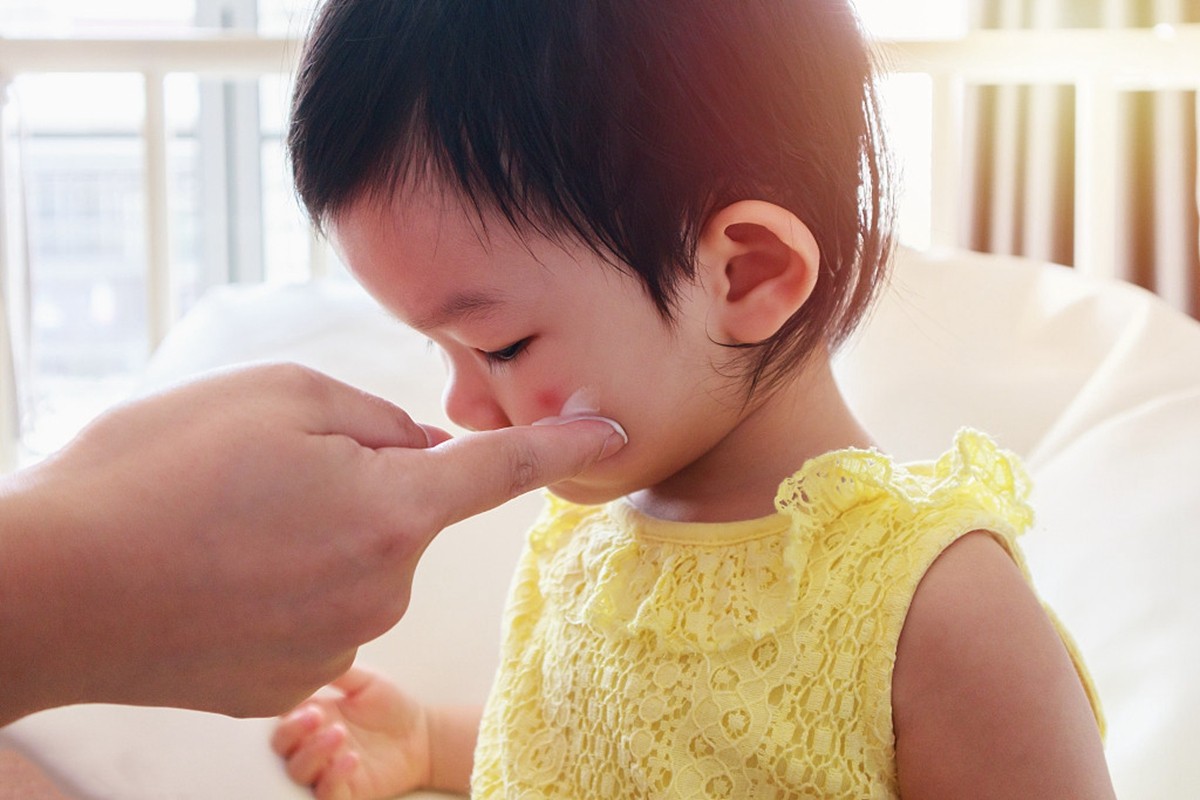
[1167, 56]
[208, 54]
[1161, 57]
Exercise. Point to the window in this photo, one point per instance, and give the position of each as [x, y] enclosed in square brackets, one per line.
[76, 192]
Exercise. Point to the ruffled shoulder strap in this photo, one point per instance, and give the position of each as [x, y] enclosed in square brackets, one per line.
[974, 477]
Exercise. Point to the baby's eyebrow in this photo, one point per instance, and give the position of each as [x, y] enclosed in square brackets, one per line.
[459, 306]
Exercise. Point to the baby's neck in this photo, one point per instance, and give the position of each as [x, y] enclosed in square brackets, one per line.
[738, 478]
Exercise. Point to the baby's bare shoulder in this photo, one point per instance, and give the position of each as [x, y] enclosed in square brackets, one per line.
[986, 701]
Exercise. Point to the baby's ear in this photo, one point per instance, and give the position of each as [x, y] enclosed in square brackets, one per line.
[759, 263]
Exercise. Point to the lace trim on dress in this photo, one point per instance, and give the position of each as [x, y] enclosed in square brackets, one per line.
[974, 470]
[707, 594]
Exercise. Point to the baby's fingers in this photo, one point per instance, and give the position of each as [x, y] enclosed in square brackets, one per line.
[294, 728]
[334, 783]
[309, 762]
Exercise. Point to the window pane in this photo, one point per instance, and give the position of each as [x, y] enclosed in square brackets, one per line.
[80, 159]
[285, 17]
[286, 238]
[80, 162]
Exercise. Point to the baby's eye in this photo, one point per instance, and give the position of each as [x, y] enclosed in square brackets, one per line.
[507, 354]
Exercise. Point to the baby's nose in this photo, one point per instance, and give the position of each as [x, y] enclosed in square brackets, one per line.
[470, 403]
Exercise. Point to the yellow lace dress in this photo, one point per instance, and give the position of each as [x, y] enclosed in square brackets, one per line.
[645, 658]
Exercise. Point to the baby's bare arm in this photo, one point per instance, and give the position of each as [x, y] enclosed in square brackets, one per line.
[986, 700]
[452, 735]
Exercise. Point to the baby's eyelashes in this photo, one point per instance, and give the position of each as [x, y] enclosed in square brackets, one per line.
[507, 354]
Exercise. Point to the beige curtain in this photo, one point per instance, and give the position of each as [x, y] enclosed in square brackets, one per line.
[1020, 143]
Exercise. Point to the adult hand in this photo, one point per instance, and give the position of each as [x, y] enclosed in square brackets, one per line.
[228, 544]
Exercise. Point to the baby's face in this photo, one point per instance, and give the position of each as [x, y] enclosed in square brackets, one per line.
[525, 324]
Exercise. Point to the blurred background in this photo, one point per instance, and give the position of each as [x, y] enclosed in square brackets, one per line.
[78, 275]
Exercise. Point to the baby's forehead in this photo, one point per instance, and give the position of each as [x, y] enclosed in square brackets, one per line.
[461, 216]
[430, 237]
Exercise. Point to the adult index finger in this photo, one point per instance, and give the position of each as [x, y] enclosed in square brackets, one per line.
[480, 471]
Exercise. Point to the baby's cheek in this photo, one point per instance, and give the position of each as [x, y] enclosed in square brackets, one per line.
[549, 401]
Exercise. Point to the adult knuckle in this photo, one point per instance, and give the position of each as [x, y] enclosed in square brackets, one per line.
[524, 467]
[282, 378]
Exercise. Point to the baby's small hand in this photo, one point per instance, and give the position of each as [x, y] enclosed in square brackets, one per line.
[364, 740]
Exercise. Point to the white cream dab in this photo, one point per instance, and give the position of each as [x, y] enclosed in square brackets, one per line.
[582, 404]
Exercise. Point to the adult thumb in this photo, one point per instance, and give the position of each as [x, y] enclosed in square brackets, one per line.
[479, 471]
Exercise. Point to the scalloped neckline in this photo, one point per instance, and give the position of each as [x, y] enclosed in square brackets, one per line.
[648, 528]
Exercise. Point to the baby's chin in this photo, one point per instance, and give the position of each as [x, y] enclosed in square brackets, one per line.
[620, 475]
[586, 495]
[600, 484]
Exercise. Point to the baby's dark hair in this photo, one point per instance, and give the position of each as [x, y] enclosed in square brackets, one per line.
[625, 123]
